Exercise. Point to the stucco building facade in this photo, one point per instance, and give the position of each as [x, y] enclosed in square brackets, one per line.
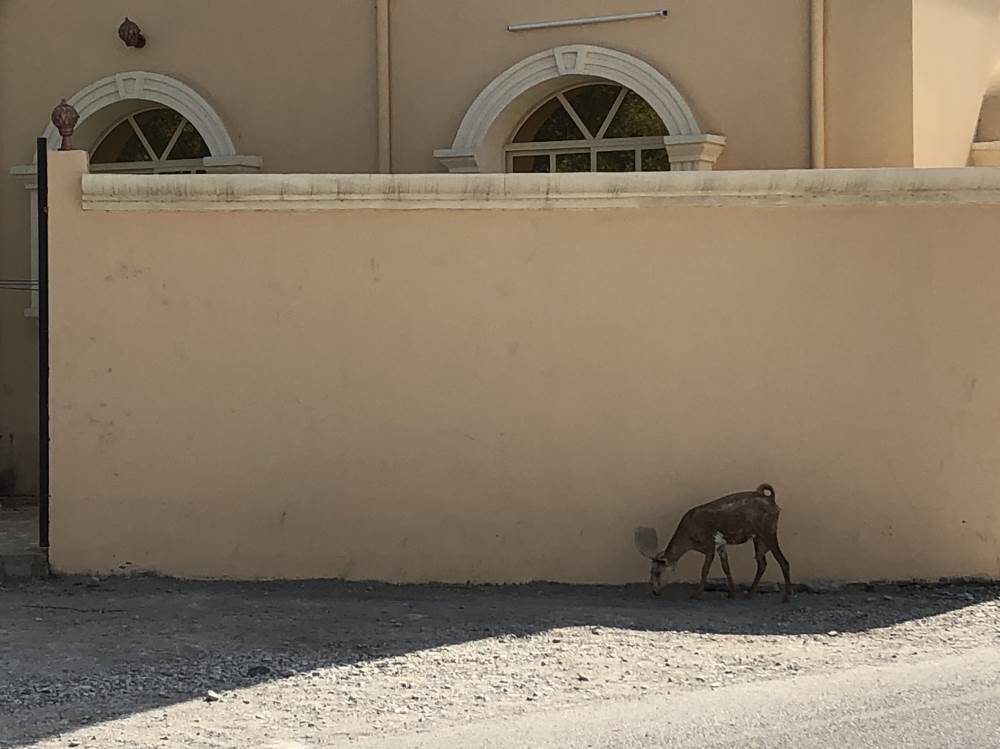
[407, 87]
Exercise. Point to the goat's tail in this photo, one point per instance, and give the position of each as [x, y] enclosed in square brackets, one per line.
[766, 490]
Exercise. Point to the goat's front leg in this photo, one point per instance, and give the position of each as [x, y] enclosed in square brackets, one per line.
[709, 558]
[724, 558]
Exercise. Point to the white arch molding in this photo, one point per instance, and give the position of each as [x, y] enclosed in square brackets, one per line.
[115, 94]
[489, 121]
[152, 87]
[985, 150]
[993, 85]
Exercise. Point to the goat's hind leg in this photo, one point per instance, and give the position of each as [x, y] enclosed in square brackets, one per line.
[772, 543]
[760, 553]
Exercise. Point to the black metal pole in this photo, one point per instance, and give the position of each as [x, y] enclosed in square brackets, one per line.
[43, 341]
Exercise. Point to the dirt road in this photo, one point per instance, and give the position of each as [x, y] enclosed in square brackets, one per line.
[148, 662]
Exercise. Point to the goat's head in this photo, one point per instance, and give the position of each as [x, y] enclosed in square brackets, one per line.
[660, 566]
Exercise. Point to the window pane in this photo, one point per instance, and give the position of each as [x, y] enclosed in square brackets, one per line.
[536, 163]
[159, 126]
[592, 104]
[121, 144]
[190, 145]
[655, 160]
[635, 119]
[549, 122]
[616, 161]
[573, 162]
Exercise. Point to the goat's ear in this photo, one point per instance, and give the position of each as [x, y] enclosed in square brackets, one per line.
[646, 542]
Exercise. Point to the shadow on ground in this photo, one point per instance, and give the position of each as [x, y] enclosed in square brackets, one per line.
[77, 652]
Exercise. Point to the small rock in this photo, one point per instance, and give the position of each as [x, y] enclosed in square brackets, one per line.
[581, 677]
[211, 696]
[595, 631]
[74, 743]
[886, 597]
[832, 633]
[258, 671]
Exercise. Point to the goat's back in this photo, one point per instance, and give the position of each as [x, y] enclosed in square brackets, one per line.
[750, 502]
[738, 517]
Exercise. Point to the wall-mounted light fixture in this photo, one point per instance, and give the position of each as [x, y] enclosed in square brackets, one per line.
[130, 33]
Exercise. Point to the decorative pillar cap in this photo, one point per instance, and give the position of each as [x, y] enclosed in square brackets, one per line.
[697, 152]
[458, 161]
[65, 117]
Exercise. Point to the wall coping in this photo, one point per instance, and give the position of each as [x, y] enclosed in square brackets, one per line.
[291, 192]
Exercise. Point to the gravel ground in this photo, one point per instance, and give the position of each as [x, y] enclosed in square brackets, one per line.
[146, 662]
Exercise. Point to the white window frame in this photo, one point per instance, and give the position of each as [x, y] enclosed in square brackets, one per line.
[479, 143]
[157, 164]
[591, 143]
[141, 87]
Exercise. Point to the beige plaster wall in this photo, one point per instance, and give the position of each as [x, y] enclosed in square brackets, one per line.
[293, 82]
[956, 45]
[754, 93]
[283, 77]
[503, 395]
[869, 83]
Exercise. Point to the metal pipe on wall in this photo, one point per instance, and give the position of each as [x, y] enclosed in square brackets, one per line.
[587, 21]
[383, 85]
[817, 105]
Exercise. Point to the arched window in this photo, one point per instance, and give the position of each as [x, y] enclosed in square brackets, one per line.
[591, 128]
[158, 125]
[151, 141]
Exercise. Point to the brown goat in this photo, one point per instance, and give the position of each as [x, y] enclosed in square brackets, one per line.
[710, 528]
